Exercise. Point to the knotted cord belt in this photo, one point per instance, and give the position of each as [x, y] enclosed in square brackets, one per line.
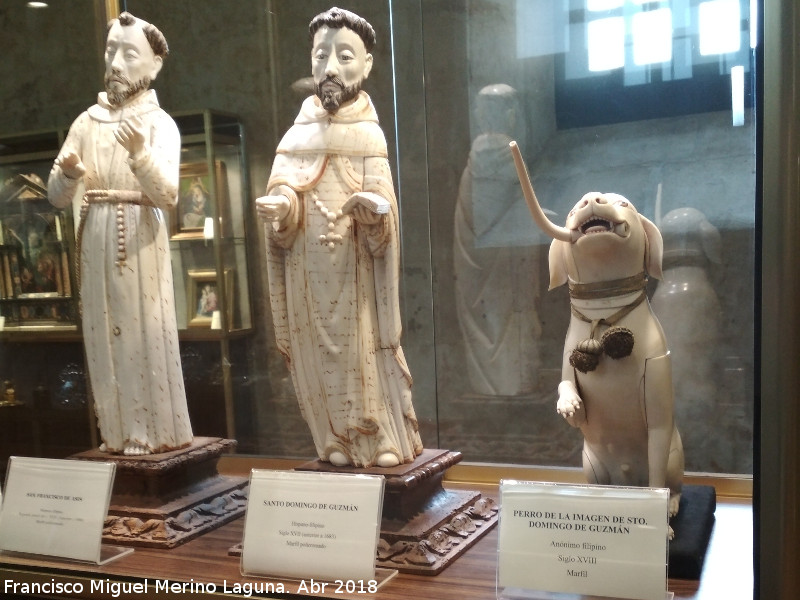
[120, 198]
[617, 342]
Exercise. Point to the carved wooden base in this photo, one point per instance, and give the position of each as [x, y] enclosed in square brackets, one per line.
[424, 527]
[164, 500]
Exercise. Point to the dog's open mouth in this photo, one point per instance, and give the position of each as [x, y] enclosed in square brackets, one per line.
[596, 225]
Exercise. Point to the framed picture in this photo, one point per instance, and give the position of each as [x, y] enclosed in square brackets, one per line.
[204, 297]
[196, 198]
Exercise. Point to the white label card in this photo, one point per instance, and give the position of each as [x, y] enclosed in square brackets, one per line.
[55, 507]
[300, 525]
[573, 539]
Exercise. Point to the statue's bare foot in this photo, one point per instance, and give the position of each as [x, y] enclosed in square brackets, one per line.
[338, 459]
[387, 459]
[103, 447]
[135, 449]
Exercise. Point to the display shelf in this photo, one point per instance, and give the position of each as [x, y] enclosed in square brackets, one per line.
[39, 334]
[727, 573]
[211, 335]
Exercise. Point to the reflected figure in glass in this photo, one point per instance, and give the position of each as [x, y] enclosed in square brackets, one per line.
[688, 307]
[333, 252]
[124, 152]
[496, 250]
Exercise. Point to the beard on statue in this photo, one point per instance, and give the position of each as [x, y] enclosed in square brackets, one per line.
[119, 89]
[332, 92]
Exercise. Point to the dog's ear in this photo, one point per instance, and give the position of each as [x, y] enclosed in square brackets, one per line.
[654, 248]
[558, 263]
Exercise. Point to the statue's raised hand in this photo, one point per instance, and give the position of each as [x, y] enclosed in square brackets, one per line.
[131, 135]
[71, 165]
[272, 208]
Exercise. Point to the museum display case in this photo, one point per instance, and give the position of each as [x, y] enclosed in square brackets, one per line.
[208, 248]
[38, 308]
[37, 241]
[646, 99]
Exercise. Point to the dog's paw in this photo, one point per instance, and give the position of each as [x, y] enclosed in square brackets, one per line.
[571, 408]
[674, 504]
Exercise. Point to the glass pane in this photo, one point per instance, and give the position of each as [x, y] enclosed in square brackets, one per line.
[658, 107]
[666, 132]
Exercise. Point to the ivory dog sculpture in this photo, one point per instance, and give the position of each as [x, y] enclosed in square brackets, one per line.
[616, 377]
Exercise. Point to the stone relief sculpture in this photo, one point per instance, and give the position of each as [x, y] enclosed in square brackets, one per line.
[688, 307]
[616, 375]
[500, 331]
[333, 260]
[124, 152]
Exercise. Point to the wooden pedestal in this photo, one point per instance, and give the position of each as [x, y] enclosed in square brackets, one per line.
[164, 500]
[424, 527]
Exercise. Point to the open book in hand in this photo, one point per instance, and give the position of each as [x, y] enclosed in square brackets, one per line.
[377, 204]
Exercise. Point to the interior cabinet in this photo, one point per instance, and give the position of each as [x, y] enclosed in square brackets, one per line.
[44, 409]
[37, 286]
[208, 244]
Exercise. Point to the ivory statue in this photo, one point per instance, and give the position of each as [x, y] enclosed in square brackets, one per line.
[333, 245]
[689, 308]
[501, 331]
[123, 153]
[616, 375]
